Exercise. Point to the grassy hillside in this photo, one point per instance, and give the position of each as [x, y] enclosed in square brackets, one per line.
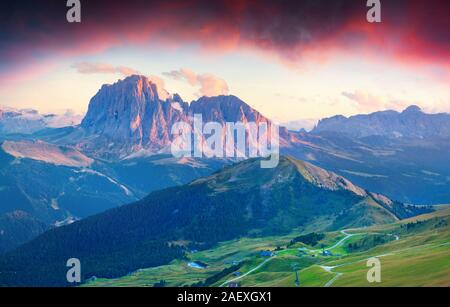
[416, 253]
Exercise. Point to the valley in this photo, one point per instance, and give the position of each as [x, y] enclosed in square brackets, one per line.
[240, 200]
[109, 192]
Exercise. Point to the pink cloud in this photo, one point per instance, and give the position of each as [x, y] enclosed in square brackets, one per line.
[367, 102]
[103, 68]
[209, 85]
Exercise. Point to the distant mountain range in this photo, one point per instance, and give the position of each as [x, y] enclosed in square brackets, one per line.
[27, 121]
[412, 123]
[401, 154]
[240, 200]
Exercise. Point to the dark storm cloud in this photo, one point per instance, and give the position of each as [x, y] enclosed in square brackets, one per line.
[411, 30]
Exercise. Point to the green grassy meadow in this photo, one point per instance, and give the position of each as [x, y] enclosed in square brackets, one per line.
[417, 254]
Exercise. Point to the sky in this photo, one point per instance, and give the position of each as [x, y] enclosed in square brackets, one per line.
[291, 60]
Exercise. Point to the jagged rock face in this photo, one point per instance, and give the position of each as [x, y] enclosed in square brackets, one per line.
[230, 108]
[412, 122]
[131, 116]
[225, 109]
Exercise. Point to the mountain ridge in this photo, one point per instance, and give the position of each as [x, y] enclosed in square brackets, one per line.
[18, 227]
[411, 122]
[239, 200]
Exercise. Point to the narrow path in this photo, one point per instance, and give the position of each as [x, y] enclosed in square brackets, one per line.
[347, 236]
[328, 284]
[249, 272]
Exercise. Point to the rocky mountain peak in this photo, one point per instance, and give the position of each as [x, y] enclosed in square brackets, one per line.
[412, 109]
[130, 116]
[225, 108]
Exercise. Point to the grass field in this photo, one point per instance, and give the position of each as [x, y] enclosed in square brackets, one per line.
[418, 256]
